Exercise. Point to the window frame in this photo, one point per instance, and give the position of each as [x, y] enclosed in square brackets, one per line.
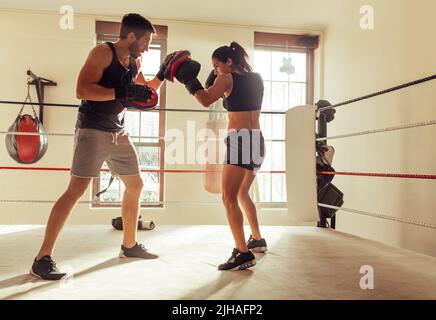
[296, 44]
[109, 31]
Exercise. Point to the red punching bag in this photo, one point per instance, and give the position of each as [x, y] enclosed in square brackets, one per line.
[26, 148]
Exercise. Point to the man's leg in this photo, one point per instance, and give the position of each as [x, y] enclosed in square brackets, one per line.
[130, 208]
[60, 213]
[124, 162]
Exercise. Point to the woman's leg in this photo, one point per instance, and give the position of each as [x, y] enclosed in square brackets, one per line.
[231, 182]
[248, 205]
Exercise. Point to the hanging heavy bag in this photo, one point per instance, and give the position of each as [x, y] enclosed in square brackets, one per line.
[26, 148]
[214, 168]
[217, 122]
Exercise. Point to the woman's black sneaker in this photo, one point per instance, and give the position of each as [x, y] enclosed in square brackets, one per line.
[45, 268]
[239, 261]
[258, 246]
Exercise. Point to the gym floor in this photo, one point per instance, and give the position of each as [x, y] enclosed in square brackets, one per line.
[302, 263]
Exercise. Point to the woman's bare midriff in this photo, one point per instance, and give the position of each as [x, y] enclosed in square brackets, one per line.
[244, 120]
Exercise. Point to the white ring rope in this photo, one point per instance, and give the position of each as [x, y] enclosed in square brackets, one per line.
[106, 203]
[8, 133]
[400, 127]
[133, 137]
[382, 216]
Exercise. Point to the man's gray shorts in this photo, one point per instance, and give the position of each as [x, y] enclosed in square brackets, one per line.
[92, 147]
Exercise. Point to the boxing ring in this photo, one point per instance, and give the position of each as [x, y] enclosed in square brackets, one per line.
[302, 170]
[302, 262]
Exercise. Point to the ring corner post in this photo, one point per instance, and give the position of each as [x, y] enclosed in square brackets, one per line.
[301, 163]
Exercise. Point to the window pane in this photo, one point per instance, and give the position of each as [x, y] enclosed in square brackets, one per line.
[267, 162]
[131, 124]
[277, 151]
[274, 156]
[298, 60]
[115, 191]
[264, 181]
[266, 103]
[278, 62]
[297, 94]
[278, 187]
[150, 192]
[273, 126]
[150, 126]
[278, 129]
[265, 125]
[279, 96]
[289, 66]
[262, 63]
[149, 157]
[150, 62]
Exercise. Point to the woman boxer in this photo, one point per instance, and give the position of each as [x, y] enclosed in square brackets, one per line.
[242, 91]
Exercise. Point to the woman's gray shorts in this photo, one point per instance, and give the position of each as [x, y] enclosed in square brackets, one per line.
[92, 147]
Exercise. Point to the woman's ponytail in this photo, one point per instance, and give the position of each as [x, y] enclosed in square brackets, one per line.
[242, 57]
[235, 52]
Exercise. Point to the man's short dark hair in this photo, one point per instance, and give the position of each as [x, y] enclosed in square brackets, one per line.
[133, 22]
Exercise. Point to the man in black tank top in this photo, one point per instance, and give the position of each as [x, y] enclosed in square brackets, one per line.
[108, 77]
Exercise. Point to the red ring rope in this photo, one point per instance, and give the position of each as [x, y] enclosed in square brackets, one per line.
[339, 173]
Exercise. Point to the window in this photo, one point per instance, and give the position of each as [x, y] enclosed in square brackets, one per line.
[286, 65]
[144, 127]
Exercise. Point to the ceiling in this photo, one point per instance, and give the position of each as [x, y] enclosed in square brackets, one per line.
[281, 13]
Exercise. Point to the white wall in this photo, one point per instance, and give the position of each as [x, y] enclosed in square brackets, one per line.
[357, 62]
[35, 40]
[353, 62]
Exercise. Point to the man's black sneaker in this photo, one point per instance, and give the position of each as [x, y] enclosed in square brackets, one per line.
[137, 251]
[45, 268]
[239, 261]
[258, 246]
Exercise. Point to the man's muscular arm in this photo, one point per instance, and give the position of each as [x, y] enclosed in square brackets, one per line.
[87, 83]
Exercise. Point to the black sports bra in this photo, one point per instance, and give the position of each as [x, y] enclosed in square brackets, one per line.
[247, 93]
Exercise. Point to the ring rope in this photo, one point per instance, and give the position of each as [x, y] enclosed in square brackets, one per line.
[381, 175]
[151, 110]
[388, 129]
[378, 93]
[382, 216]
[142, 170]
[110, 202]
[133, 137]
[8, 133]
